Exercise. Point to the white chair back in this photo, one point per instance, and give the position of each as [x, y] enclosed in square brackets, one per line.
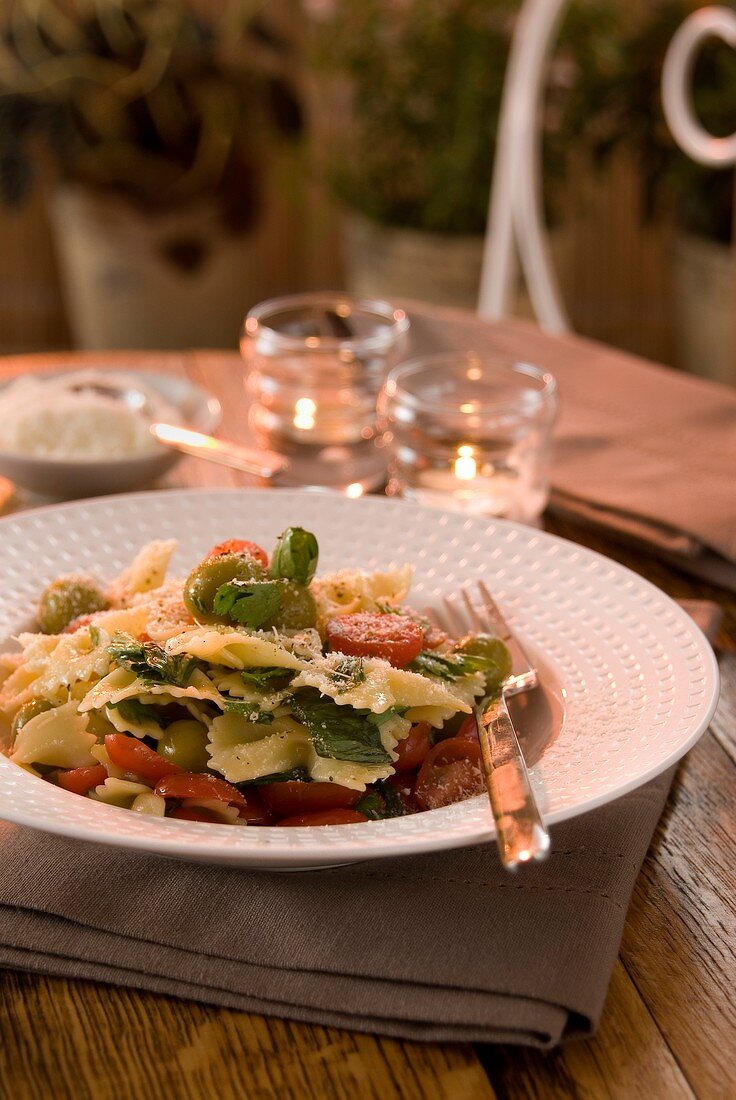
[516, 228]
[686, 129]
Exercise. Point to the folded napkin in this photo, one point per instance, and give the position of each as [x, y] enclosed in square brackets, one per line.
[642, 450]
[446, 946]
[440, 947]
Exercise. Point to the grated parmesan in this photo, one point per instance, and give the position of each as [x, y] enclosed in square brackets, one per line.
[67, 417]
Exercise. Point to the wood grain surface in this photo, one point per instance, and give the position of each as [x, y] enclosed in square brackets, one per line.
[669, 1026]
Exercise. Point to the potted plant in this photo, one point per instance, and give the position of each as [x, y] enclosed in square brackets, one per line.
[699, 200]
[413, 91]
[157, 119]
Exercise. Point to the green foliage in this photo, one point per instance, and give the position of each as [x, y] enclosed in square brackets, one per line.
[632, 118]
[420, 85]
[146, 98]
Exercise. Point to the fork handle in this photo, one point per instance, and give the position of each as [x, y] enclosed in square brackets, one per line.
[522, 835]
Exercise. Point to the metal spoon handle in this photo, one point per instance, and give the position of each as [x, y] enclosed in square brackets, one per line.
[261, 463]
[522, 835]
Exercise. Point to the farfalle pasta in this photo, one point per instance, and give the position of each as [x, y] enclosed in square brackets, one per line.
[249, 693]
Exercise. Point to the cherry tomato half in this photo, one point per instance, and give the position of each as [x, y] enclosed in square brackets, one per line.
[468, 730]
[451, 772]
[412, 750]
[395, 638]
[325, 817]
[296, 797]
[133, 756]
[191, 785]
[239, 546]
[81, 780]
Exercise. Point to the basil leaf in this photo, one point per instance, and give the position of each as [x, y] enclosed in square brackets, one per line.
[295, 774]
[262, 677]
[133, 710]
[295, 557]
[151, 663]
[339, 733]
[372, 805]
[94, 635]
[381, 802]
[251, 603]
[251, 711]
[443, 666]
[379, 719]
[451, 666]
[347, 674]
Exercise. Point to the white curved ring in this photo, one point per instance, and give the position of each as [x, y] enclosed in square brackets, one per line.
[686, 129]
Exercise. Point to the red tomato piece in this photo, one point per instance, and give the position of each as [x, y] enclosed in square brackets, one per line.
[451, 772]
[469, 730]
[239, 546]
[395, 638]
[81, 780]
[325, 817]
[412, 750]
[133, 756]
[296, 797]
[196, 785]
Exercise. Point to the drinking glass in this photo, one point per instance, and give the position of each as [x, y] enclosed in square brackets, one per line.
[470, 432]
[315, 364]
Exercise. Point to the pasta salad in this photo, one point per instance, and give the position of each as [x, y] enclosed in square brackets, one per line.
[253, 692]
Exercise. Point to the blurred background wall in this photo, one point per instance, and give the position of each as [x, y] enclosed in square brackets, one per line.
[355, 118]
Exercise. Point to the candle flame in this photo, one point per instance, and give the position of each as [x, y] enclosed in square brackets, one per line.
[354, 490]
[304, 411]
[465, 465]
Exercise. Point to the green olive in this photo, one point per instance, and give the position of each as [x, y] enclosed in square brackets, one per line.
[493, 651]
[203, 582]
[99, 724]
[185, 744]
[65, 599]
[27, 711]
[297, 609]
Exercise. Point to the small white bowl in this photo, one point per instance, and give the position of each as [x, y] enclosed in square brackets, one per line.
[70, 478]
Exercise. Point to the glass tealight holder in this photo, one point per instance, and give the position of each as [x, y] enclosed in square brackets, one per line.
[470, 433]
[314, 366]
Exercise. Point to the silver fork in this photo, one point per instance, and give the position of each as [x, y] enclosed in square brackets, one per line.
[521, 833]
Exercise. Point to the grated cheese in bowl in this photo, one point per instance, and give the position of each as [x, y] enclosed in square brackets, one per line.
[70, 417]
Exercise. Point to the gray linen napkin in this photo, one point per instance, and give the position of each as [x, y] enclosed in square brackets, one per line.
[440, 947]
[641, 450]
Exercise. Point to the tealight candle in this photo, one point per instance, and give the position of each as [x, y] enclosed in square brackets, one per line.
[315, 364]
[470, 433]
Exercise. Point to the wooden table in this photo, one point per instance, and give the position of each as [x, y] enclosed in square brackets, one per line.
[670, 1020]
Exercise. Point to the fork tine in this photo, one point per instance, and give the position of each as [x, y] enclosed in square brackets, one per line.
[491, 608]
[457, 625]
[473, 613]
[436, 618]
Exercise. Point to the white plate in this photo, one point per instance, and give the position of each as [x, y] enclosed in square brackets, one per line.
[636, 679]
